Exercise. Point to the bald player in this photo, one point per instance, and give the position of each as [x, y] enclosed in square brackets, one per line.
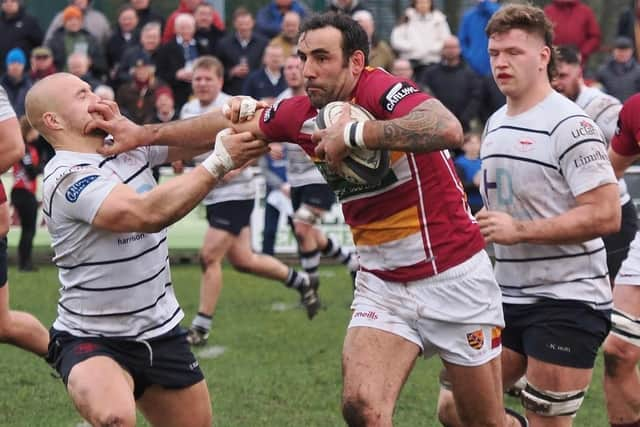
[16, 327]
[116, 341]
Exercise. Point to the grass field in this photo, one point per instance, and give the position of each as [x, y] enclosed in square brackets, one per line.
[277, 368]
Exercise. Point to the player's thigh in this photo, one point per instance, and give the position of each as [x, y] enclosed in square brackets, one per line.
[477, 390]
[240, 250]
[4, 304]
[4, 218]
[185, 407]
[216, 244]
[375, 364]
[627, 298]
[99, 387]
[514, 366]
[552, 377]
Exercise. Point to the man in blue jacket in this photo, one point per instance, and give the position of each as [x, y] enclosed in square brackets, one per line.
[473, 40]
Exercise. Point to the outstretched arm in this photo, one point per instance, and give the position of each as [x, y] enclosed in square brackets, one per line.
[124, 210]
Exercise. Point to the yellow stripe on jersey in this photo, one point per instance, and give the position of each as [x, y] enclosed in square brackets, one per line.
[395, 227]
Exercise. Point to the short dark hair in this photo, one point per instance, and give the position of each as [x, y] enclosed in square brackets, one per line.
[530, 19]
[211, 63]
[353, 36]
[241, 11]
[568, 54]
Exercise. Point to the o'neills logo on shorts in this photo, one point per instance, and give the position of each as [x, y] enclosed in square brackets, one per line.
[371, 315]
[476, 339]
[397, 93]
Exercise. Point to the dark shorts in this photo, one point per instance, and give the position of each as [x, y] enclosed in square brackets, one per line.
[317, 195]
[3, 261]
[167, 362]
[617, 244]
[231, 216]
[565, 333]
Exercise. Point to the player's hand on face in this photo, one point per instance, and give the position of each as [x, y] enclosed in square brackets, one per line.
[242, 108]
[106, 116]
[498, 227]
[330, 141]
[244, 147]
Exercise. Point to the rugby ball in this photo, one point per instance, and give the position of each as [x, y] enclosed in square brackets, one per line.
[361, 166]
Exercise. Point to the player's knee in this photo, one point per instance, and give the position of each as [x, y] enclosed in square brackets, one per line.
[618, 356]
[547, 403]
[446, 410]
[357, 412]
[115, 418]
[207, 260]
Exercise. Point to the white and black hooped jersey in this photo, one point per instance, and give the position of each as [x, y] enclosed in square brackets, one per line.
[112, 284]
[6, 111]
[604, 110]
[534, 165]
[241, 186]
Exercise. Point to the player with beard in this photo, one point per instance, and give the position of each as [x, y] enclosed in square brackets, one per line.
[425, 284]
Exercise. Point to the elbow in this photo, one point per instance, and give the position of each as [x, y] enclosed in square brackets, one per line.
[610, 222]
[454, 134]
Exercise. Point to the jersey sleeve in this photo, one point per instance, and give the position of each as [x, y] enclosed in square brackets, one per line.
[283, 121]
[156, 154]
[6, 111]
[387, 96]
[627, 134]
[582, 155]
[80, 192]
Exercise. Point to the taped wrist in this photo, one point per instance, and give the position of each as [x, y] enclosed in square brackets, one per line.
[219, 162]
[353, 135]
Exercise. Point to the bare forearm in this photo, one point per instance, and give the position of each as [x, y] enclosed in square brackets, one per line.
[11, 145]
[175, 198]
[429, 127]
[578, 225]
[195, 133]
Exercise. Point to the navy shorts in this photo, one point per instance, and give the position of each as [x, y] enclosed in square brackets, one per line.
[166, 360]
[617, 244]
[317, 195]
[565, 333]
[231, 216]
[3, 261]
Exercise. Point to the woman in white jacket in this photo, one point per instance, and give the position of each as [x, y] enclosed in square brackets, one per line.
[420, 35]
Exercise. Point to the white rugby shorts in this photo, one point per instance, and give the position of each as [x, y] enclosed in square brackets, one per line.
[456, 314]
[629, 273]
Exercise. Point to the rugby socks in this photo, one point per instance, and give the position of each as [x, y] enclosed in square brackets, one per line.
[202, 321]
[310, 262]
[634, 424]
[334, 250]
[294, 279]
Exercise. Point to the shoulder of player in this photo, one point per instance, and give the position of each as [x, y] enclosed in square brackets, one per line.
[566, 115]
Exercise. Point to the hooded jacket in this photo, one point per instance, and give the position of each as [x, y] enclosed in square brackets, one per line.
[94, 22]
[574, 23]
[473, 40]
[421, 38]
[21, 30]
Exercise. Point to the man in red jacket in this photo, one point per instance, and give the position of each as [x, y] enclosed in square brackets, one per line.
[574, 23]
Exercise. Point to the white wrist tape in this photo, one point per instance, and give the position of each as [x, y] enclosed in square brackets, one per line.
[219, 162]
[353, 135]
[248, 107]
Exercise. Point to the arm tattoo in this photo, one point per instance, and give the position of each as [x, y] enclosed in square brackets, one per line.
[428, 127]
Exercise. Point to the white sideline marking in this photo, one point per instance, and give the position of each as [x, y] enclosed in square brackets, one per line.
[282, 306]
[211, 352]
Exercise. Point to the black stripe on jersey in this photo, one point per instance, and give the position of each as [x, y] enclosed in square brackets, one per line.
[622, 332]
[567, 118]
[138, 172]
[584, 141]
[571, 280]
[547, 258]
[518, 128]
[621, 314]
[107, 159]
[595, 119]
[523, 159]
[539, 299]
[53, 193]
[175, 313]
[114, 261]
[132, 285]
[122, 313]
